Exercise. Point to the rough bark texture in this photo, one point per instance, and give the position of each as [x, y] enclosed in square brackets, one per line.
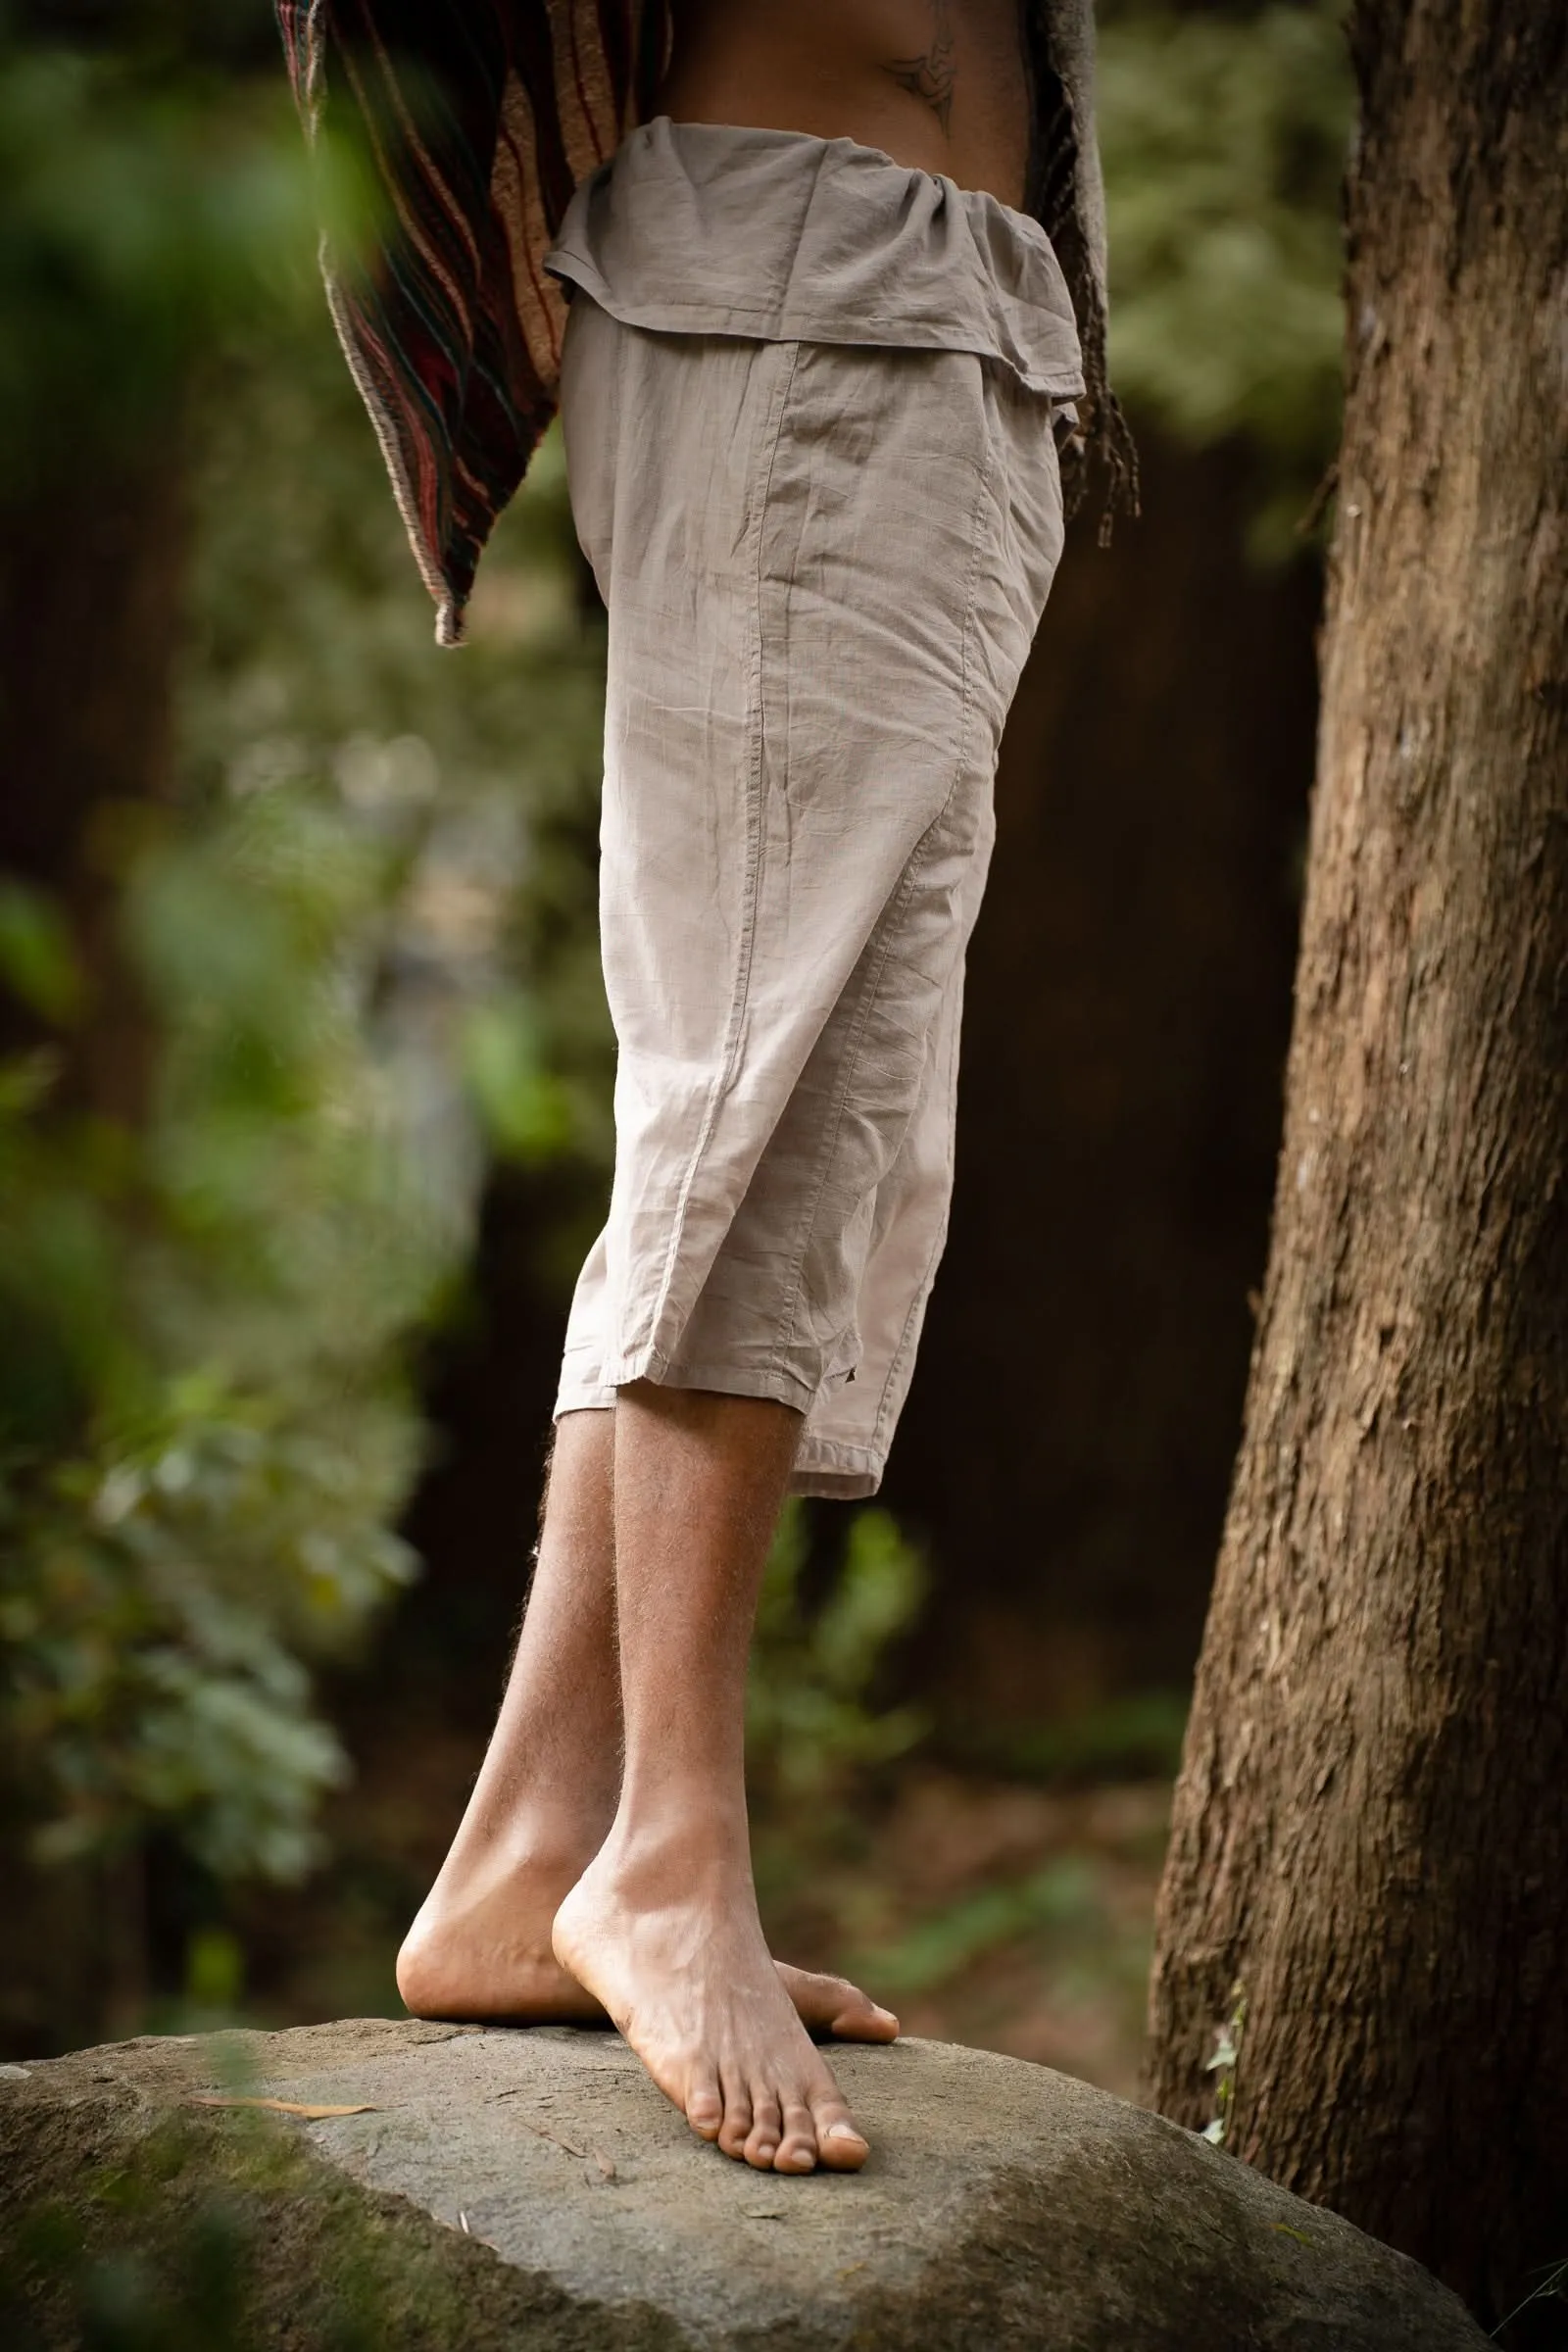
[1370, 1847]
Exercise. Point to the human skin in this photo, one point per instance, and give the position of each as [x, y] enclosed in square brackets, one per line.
[662, 1925]
[549, 1787]
[936, 84]
[590, 1875]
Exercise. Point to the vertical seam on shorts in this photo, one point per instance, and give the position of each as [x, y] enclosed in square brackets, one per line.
[790, 1313]
[618, 403]
[772, 434]
[877, 1442]
[755, 831]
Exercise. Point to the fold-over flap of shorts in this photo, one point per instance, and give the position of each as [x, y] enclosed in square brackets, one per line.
[707, 228]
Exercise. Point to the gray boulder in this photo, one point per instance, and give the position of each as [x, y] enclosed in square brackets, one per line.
[533, 2189]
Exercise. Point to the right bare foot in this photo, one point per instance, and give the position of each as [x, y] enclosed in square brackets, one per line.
[672, 1946]
[487, 1958]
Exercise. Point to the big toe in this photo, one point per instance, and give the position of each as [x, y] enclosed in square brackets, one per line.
[841, 2145]
[833, 2005]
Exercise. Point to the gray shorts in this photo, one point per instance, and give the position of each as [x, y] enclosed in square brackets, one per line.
[823, 562]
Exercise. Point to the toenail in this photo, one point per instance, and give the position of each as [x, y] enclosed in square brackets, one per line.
[842, 2131]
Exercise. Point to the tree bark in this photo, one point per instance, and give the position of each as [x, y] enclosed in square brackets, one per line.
[1369, 1860]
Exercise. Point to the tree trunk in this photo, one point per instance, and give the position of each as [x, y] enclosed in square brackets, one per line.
[1369, 1862]
[91, 581]
[92, 578]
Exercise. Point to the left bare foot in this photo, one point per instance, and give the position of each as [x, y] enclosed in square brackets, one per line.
[487, 1959]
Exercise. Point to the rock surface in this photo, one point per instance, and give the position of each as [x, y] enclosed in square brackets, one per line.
[554, 2199]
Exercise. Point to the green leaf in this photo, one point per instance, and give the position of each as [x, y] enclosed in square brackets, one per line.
[37, 962]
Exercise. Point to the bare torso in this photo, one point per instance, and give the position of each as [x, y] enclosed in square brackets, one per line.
[936, 84]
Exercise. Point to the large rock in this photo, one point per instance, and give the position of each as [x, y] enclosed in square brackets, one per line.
[533, 2189]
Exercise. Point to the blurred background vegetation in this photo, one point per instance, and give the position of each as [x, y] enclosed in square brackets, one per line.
[304, 1093]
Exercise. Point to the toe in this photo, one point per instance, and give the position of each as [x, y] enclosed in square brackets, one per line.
[797, 2149]
[767, 2130]
[833, 2005]
[737, 2124]
[705, 2105]
[840, 2144]
[854, 2016]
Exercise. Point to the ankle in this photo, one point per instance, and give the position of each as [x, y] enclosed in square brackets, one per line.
[684, 1826]
[531, 1839]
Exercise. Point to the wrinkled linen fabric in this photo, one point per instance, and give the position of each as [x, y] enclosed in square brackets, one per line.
[823, 561]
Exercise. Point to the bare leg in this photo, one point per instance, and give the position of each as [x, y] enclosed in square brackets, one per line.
[662, 1925]
[544, 1800]
[546, 1788]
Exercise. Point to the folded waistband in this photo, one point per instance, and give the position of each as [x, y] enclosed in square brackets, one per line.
[715, 228]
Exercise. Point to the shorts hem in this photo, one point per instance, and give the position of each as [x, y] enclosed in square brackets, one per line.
[582, 1397]
[836, 1473]
[778, 1386]
[832, 1473]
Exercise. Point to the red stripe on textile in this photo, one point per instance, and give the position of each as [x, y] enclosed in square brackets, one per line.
[451, 209]
[525, 243]
[579, 87]
[395, 185]
[532, 49]
[480, 491]
[294, 25]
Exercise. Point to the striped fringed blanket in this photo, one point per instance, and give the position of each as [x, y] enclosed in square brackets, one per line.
[475, 121]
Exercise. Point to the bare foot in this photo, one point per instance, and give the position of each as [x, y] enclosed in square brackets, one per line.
[487, 1958]
[672, 1946]
[834, 2007]
[482, 1954]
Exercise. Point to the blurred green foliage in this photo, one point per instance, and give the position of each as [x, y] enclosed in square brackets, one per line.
[1224, 138]
[1116, 1738]
[819, 1731]
[154, 202]
[226, 2232]
[1059, 1894]
[106, 2268]
[810, 1718]
[206, 1429]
